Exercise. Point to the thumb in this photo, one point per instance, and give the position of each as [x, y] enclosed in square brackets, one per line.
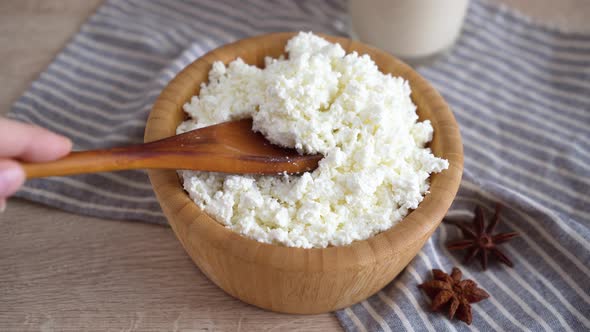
[12, 177]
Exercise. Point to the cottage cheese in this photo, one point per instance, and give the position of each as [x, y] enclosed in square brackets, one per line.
[319, 100]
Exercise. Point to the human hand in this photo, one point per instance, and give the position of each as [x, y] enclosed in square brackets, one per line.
[23, 142]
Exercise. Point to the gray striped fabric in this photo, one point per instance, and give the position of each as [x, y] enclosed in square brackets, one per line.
[520, 91]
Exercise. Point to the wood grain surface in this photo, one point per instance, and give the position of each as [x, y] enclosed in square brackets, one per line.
[60, 271]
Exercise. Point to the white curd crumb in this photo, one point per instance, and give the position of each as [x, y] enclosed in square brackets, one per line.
[318, 100]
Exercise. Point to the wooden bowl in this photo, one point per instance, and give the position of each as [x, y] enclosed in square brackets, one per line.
[296, 280]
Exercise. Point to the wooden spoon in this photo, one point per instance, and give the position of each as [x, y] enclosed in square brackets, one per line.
[230, 147]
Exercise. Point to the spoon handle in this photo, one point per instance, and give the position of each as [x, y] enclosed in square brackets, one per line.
[194, 149]
[116, 159]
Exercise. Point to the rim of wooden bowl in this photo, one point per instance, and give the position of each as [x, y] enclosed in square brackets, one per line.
[182, 212]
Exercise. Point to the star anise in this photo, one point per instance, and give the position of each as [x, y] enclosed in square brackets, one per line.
[479, 239]
[458, 294]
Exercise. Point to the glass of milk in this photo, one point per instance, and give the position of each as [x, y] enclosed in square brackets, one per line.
[413, 30]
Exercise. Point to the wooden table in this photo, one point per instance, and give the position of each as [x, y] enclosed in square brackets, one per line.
[60, 271]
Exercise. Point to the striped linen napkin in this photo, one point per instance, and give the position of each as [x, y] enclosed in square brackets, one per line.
[520, 91]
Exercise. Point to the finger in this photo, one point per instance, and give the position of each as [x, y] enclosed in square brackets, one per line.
[12, 177]
[31, 143]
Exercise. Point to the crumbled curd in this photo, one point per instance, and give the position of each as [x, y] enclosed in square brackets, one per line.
[318, 100]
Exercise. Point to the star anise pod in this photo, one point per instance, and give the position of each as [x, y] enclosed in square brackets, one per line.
[452, 291]
[479, 239]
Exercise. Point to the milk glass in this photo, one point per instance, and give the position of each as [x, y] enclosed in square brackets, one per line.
[413, 30]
